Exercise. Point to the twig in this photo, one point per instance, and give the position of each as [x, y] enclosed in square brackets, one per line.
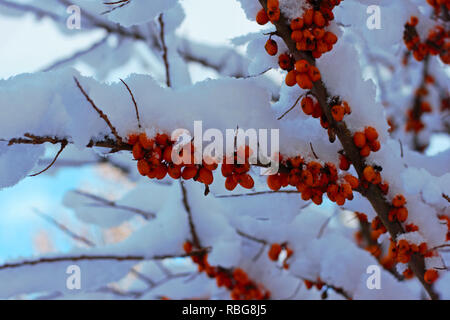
[291, 108]
[164, 48]
[146, 215]
[195, 238]
[313, 152]
[63, 145]
[134, 102]
[254, 193]
[100, 112]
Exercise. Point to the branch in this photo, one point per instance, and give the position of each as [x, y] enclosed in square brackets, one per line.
[373, 193]
[164, 48]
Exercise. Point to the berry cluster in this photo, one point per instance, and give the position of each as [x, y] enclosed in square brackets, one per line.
[437, 42]
[338, 111]
[447, 220]
[371, 174]
[313, 180]
[318, 284]
[154, 160]
[236, 280]
[275, 251]
[367, 141]
[398, 212]
[414, 115]
[303, 74]
[309, 32]
[438, 5]
[237, 173]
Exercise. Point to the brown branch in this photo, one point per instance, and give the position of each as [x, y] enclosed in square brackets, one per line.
[134, 102]
[63, 145]
[100, 112]
[146, 215]
[164, 48]
[100, 258]
[291, 108]
[446, 197]
[372, 193]
[195, 238]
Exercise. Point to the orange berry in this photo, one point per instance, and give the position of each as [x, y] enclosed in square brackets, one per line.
[230, 183]
[143, 167]
[369, 173]
[371, 133]
[271, 47]
[160, 172]
[307, 105]
[187, 247]
[338, 113]
[297, 35]
[309, 17]
[162, 139]
[330, 38]
[297, 24]
[205, 176]
[303, 81]
[344, 164]
[138, 153]
[274, 182]
[291, 78]
[189, 172]
[353, 181]
[145, 142]
[402, 214]
[374, 145]
[174, 171]
[399, 201]
[302, 66]
[314, 74]
[365, 151]
[430, 276]
[319, 20]
[318, 33]
[246, 181]
[273, 14]
[284, 61]
[274, 251]
[133, 138]
[359, 139]
[262, 18]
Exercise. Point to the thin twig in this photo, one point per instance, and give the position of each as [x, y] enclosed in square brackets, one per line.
[63, 145]
[164, 48]
[291, 108]
[195, 238]
[134, 102]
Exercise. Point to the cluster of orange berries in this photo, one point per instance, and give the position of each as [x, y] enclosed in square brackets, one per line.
[154, 160]
[367, 141]
[338, 111]
[318, 284]
[414, 122]
[303, 74]
[398, 212]
[236, 280]
[437, 42]
[275, 251]
[439, 4]
[309, 32]
[237, 173]
[313, 180]
[372, 175]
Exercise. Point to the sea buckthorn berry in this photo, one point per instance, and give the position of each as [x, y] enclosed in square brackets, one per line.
[297, 35]
[230, 183]
[402, 214]
[338, 112]
[369, 174]
[133, 138]
[271, 47]
[291, 78]
[284, 61]
[262, 18]
[205, 176]
[174, 171]
[399, 201]
[359, 139]
[371, 133]
[353, 181]
[319, 19]
[365, 151]
[302, 66]
[187, 247]
[303, 81]
[274, 14]
[374, 145]
[145, 142]
[274, 251]
[330, 38]
[138, 153]
[297, 24]
[430, 276]
[314, 74]
[309, 17]
[189, 172]
[246, 181]
[274, 182]
[307, 105]
[143, 167]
